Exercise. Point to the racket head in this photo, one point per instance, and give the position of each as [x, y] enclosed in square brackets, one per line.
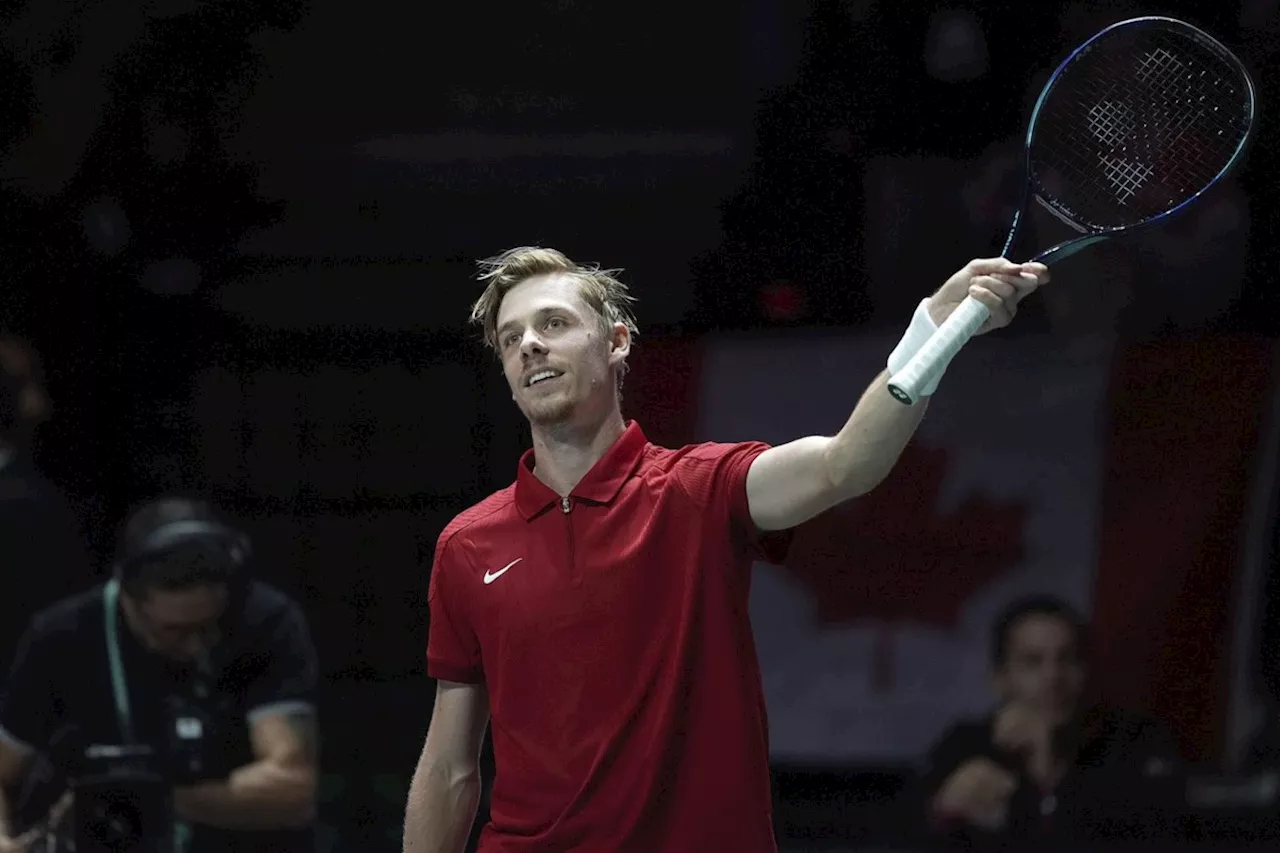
[1137, 123]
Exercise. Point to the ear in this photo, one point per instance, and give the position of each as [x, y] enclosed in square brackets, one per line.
[619, 344]
[128, 603]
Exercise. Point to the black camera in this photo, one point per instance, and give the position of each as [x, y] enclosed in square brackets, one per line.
[122, 803]
[123, 794]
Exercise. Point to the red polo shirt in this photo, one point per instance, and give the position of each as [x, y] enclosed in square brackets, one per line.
[612, 632]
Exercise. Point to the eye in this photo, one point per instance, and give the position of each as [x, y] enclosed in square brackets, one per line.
[510, 341]
[554, 323]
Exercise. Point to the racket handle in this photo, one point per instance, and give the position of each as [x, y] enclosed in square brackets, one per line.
[932, 359]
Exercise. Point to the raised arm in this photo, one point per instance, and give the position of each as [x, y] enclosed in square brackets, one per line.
[791, 483]
[445, 791]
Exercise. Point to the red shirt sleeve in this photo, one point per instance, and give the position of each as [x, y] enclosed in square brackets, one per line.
[453, 650]
[715, 476]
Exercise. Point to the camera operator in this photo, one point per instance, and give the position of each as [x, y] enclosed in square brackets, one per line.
[183, 653]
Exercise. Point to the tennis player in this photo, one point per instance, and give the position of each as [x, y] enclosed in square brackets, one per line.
[596, 609]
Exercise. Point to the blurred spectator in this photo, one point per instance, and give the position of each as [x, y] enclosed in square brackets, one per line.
[1044, 770]
[42, 547]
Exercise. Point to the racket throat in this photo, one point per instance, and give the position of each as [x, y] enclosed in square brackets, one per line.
[1060, 215]
[1067, 248]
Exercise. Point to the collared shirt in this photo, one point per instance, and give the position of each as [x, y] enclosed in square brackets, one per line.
[610, 628]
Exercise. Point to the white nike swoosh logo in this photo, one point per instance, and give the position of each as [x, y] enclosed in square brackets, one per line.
[490, 577]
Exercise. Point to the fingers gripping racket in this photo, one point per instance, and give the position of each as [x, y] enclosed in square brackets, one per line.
[1132, 127]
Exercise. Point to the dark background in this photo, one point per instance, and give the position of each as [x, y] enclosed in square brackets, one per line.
[270, 211]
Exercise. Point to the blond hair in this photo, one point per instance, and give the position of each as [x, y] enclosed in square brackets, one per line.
[599, 288]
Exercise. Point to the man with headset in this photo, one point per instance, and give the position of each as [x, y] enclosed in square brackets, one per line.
[183, 652]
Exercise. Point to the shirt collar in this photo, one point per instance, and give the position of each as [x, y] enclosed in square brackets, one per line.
[602, 483]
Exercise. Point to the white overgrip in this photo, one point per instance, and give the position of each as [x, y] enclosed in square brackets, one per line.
[920, 375]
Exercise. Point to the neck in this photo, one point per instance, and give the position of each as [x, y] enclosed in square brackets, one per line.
[563, 454]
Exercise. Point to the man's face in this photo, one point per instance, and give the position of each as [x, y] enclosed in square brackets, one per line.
[1043, 669]
[179, 624]
[18, 371]
[557, 356]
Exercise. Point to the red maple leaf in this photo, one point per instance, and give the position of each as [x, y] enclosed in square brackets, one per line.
[891, 556]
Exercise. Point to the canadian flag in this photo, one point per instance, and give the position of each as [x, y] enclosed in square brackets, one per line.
[1116, 478]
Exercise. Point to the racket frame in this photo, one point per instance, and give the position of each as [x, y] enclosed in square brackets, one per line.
[968, 317]
[1093, 236]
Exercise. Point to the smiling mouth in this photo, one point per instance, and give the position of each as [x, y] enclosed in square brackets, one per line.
[540, 377]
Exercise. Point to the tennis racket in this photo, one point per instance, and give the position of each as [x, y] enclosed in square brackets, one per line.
[1135, 125]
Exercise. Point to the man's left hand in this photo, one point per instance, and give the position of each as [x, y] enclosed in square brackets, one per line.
[997, 283]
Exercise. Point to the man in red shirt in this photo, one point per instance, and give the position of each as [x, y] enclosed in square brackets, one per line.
[595, 611]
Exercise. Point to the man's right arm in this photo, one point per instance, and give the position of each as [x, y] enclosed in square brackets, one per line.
[27, 712]
[445, 792]
[961, 787]
[13, 766]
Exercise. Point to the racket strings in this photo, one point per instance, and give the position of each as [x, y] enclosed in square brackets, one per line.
[1137, 125]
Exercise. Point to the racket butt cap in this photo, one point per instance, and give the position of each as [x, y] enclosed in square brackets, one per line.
[901, 396]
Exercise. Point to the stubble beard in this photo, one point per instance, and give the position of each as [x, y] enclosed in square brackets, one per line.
[549, 412]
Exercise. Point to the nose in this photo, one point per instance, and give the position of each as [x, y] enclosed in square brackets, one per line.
[531, 345]
[194, 647]
[1060, 674]
[198, 645]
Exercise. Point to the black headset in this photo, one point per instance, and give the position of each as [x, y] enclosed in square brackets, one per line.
[169, 536]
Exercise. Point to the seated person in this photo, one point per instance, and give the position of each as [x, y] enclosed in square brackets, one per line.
[42, 545]
[184, 653]
[1042, 768]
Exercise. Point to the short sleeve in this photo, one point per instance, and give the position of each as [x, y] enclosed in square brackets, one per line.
[715, 476]
[453, 650]
[288, 683]
[29, 698]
